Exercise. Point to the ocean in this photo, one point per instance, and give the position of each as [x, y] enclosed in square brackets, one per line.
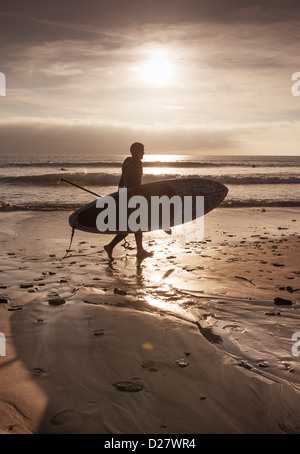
[34, 182]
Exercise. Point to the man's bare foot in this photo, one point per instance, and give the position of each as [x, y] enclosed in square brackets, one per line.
[109, 250]
[142, 253]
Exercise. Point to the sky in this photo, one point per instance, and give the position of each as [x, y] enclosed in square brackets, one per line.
[181, 76]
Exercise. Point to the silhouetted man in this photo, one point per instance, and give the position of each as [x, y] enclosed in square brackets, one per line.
[132, 172]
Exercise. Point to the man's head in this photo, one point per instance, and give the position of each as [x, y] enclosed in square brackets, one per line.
[137, 150]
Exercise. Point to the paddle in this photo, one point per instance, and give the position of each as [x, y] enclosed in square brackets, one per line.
[80, 187]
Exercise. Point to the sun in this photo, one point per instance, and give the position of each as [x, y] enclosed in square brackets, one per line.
[158, 70]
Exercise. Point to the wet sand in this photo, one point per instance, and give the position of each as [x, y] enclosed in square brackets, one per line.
[188, 341]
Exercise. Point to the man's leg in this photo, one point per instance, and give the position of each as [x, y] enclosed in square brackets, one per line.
[117, 239]
[139, 240]
[141, 252]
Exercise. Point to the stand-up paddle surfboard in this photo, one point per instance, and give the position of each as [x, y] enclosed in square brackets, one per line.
[213, 193]
[188, 190]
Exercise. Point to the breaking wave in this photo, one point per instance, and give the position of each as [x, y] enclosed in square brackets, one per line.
[106, 179]
[116, 163]
[6, 206]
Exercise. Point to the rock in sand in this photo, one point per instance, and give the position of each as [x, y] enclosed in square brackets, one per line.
[282, 302]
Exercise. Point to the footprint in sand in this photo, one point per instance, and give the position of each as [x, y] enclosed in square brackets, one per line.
[39, 372]
[62, 417]
[66, 415]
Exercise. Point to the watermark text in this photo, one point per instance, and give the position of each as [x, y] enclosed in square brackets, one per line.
[2, 84]
[139, 213]
[296, 85]
[2, 345]
[296, 346]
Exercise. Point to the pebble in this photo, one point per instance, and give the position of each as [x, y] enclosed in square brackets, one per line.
[99, 332]
[283, 302]
[128, 386]
[120, 292]
[56, 301]
[272, 313]
[150, 365]
[263, 364]
[181, 362]
[291, 290]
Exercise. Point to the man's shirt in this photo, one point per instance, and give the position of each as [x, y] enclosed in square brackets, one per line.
[132, 171]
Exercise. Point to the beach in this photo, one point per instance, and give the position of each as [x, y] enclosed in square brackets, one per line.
[179, 119]
[194, 340]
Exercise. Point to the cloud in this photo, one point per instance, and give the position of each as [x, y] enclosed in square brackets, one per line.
[52, 136]
[218, 70]
[232, 65]
[116, 13]
[64, 137]
[33, 21]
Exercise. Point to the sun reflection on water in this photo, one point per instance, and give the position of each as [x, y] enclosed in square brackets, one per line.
[171, 307]
[163, 158]
[158, 171]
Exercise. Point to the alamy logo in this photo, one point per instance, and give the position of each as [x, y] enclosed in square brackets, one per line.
[296, 85]
[139, 213]
[296, 346]
[2, 85]
[2, 345]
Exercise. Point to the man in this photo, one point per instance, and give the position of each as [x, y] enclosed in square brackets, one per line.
[132, 171]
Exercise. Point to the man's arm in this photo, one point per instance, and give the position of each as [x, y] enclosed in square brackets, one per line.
[121, 182]
[134, 175]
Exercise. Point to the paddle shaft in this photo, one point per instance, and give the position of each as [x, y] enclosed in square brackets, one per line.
[80, 187]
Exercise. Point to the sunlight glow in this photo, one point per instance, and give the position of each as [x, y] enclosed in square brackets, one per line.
[158, 171]
[158, 70]
[163, 157]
